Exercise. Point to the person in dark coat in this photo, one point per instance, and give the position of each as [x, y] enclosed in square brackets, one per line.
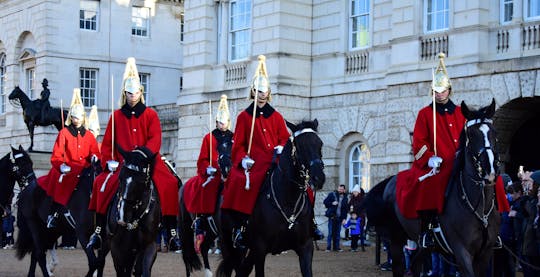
[336, 211]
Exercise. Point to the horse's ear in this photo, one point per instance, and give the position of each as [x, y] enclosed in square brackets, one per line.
[13, 149]
[291, 126]
[20, 148]
[491, 109]
[465, 110]
[315, 124]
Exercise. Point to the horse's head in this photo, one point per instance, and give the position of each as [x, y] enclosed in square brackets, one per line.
[480, 140]
[15, 93]
[22, 166]
[224, 159]
[135, 177]
[308, 151]
[6, 186]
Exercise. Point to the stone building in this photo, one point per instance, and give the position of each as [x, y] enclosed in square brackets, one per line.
[363, 69]
[85, 44]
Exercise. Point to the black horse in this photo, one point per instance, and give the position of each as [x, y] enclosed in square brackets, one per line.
[209, 226]
[33, 206]
[8, 177]
[32, 113]
[282, 216]
[134, 216]
[469, 222]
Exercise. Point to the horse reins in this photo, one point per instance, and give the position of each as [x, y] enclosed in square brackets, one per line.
[135, 223]
[304, 174]
[482, 184]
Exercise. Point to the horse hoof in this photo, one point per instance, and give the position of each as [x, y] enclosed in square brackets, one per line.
[208, 273]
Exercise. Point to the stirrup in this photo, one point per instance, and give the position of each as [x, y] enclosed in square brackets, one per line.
[498, 243]
[238, 239]
[51, 220]
[95, 240]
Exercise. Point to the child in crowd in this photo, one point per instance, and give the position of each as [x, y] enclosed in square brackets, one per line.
[8, 220]
[409, 250]
[355, 231]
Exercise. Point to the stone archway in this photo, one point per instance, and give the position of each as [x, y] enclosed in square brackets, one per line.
[517, 124]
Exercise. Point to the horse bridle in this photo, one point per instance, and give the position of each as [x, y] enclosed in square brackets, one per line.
[21, 180]
[146, 170]
[304, 174]
[483, 216]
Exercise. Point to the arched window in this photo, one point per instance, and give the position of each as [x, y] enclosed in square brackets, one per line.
[3, 97]
[359, 166]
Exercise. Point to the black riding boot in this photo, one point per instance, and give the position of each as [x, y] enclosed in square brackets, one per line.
[428, 222]
[239, 233]
[52, 219]
[171, 225]
[95, 239]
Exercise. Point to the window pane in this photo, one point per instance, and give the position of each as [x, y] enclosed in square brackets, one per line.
[359, 23]
[2, 83]
[239, 29]
[88, 84]
[140, 21]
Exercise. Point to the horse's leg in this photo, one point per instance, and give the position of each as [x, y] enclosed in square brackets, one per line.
[204, 252]
[40, 256]
[464, 260]
[30, 127]
[246, 265]
[32, 268]
[482, 262]
[51, 266]
[102, 254]
[148, 259]
[305, 257]
[398, 258]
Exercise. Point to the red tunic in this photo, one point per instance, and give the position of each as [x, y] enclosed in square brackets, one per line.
[269, 131]
[413, 195]
[137, 127]
[197, 198]
[75, 148]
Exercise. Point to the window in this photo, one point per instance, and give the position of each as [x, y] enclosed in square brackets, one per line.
[3, 97]
[359, 24]
[359, 166]
[145, 83]
[239, 29]
[140, 23]
[436, 15]
[30, 86]
[507, 10]
[88, 85]
[88, 15]
[532, 9]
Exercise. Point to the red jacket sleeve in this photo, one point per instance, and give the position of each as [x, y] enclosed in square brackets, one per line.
[204, 156]
[154, 131]
[241, 138]
[283, 132]
[422, 140]
[58, 153]
[106, 146]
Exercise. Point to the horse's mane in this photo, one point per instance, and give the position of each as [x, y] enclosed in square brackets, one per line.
[6, 188]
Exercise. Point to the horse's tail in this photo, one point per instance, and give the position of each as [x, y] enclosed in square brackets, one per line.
[378, 211]
[226, 265]
[24, 241]
[191, 259]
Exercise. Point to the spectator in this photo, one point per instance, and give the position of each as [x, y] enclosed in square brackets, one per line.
[503, 263]
[353, 224]
[354, 204]
[336, 211]
[8, 220]
[530, 249]
[409, 250]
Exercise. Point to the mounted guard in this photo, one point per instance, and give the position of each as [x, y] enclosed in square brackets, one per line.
[74, 150]
[201, 191]
[133, 126]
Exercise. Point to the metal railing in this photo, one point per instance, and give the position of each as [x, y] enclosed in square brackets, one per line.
[530, 37]
[236, 73]
[503, 40]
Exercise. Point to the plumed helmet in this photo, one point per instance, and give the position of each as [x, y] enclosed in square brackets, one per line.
[223, 114]
[93, 121]
[441, 81]
[260, 80]
[76, 109]
[130, 81]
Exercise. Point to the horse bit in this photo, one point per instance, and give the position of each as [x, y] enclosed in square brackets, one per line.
[304, 174]
[476, 158]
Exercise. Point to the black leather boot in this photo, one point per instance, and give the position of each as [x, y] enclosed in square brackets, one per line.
[238, 238]
[95, 240]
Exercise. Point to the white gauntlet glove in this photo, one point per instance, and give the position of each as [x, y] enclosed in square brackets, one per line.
[65, 169]
[112, 165]
[278, 149]
[435, 162]
[210, 171]
[247, 162]
[94, 159]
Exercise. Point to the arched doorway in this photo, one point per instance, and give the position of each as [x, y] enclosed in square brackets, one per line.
[517, 123]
